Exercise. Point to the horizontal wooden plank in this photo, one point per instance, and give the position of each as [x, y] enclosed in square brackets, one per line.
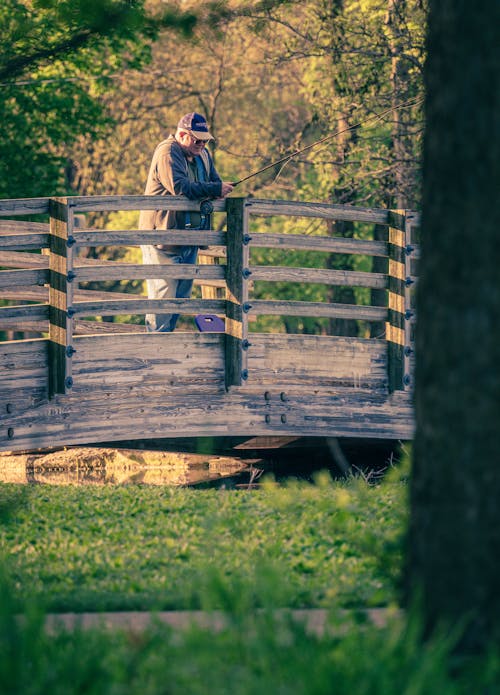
[138, 202]
[143, 306]
[175, 237]
[16, 278]
[318, 309]
[322, 210]
[23, 206]
[79, 327]
[23, 242]
[319, 243]
[21, 259]
[319, 275]
[13, 227]
[41, 294]
[130, 271]
[34, 312]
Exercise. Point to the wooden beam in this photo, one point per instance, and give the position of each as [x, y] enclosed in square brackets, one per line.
[400, 313]
[348, 278]
[61, 265]
[320, 309]
[347, 213]
[236, 371]
[319, 243]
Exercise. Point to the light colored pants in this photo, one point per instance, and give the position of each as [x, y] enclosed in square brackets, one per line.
[167, 288]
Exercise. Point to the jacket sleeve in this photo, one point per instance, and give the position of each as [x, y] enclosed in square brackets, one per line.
[172, 173]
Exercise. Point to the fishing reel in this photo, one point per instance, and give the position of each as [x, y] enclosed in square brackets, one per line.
[206, 207]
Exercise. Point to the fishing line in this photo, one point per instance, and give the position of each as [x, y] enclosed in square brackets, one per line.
[284, 160]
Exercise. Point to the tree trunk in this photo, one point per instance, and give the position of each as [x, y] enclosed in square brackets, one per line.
[454, 536]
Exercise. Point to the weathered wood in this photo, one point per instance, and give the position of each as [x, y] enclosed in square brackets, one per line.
[320, 210]
[16, 278]
[61, 263]
[319, 243]
[41, 294]
[130, 271]
[323, 362]
[147, 306]
[9, 315]
[24, 206]
[19, 259]
[13, 227]
[319, 309]
[399, 312]
[23, 242]
[131, 383]
[319, 275]
[154, 385]
[138, 202]
[177, 237]
[237, 293]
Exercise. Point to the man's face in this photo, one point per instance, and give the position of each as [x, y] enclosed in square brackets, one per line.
[192, 146]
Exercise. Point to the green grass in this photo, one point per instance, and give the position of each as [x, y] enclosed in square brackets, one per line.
[335, 545]
[255, 653]
[138, 547]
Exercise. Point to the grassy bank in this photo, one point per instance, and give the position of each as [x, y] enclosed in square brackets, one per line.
[138, 547]
[334, 545]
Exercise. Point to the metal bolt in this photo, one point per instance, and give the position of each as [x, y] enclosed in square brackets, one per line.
[246, 239]
[408, 314]
[267, 395]
[70, 351]
[70, 241]
[71, 275]
[246, 307]
[245, 344]
[9, 408]
[406, 380]
[283, 418]
[267, 419]
[244, 374]
[409, 281]
[283, 396]
[409, 249]
[408, 351]
[246, 272]
[68, 382]
[70, 311]
[10, 433]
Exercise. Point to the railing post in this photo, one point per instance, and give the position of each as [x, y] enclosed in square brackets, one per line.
[61, 260]
[237, 306]
[400, 312]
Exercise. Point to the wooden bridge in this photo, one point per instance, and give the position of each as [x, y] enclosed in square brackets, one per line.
[68, 377]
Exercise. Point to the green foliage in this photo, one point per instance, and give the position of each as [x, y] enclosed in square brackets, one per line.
[140, 547]
[250, 652]
[240, 551]
[56, 60]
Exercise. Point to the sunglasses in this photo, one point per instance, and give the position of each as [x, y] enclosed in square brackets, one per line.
[196, 141]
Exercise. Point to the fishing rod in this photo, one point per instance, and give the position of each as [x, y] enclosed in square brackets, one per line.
[206, 206]
[288, 157]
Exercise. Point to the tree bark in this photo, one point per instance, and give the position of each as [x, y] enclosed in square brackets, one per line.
[454, 536]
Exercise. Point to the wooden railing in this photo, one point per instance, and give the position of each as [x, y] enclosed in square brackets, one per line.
[51, 278]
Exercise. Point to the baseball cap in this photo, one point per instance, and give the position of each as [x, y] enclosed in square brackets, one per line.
[196, 124]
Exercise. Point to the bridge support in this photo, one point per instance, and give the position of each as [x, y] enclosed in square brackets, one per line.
[400, 313]
[237, 305]
[61, 264]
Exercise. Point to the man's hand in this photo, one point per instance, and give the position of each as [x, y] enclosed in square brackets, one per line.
[226, 188]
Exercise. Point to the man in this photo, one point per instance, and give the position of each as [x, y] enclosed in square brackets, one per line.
[181, 165]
